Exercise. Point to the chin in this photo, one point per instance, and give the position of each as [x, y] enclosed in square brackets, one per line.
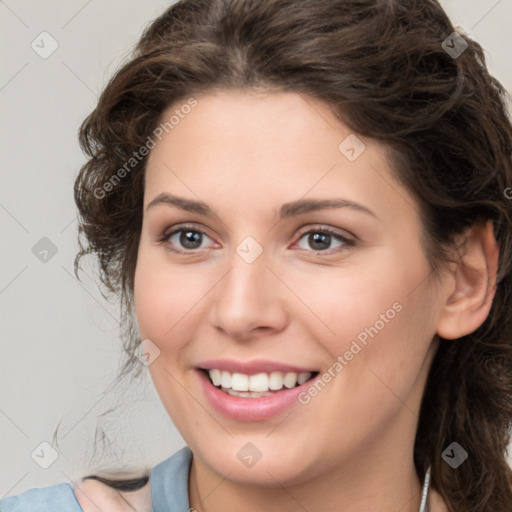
[258, 462]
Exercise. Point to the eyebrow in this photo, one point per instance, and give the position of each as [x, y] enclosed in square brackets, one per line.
[287, 210]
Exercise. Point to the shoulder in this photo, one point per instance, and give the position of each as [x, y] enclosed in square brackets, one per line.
[87, 496]
[41, 499]
[94, 496]
[168, 484]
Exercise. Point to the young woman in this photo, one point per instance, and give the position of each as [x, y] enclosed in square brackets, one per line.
[305, 209]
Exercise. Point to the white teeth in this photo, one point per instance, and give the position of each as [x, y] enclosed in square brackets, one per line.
[303, 377]
[258, 383]
[240, 382]
[248, 394]
[216, 376]
[225, 381]
[275, 381]
[290, 379]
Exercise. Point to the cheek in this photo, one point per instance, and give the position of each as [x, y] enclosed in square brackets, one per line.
[381, 320]
[376, 382]
[384, 372]
[349, 303]
[164, 304]
[166, 299]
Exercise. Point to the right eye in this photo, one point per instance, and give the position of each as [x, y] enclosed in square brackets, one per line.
[186, 238]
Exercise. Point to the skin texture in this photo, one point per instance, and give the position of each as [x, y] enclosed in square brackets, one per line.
[245, 154]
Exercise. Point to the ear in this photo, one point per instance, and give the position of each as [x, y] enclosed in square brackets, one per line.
[470, 296]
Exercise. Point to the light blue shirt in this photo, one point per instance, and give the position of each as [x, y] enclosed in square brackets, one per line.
[169, 490]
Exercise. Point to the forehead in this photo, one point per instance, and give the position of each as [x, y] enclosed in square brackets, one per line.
[251, 124]
[239, 146]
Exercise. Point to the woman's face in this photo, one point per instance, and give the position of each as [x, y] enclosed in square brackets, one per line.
[261, 281]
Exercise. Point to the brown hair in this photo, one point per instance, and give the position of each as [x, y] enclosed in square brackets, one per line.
[383, 69]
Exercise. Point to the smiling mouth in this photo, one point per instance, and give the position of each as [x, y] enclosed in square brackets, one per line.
[256, 385]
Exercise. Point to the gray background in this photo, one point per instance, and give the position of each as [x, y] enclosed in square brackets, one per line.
[59, 339]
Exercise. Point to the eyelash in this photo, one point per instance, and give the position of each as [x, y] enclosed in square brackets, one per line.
[347, 243]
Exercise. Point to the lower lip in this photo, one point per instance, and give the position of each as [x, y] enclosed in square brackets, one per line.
[250, 409]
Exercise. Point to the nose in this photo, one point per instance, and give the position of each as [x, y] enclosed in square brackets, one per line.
[249, 300]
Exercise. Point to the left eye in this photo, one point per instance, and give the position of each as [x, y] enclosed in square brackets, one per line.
[320, 240]
[188, 238]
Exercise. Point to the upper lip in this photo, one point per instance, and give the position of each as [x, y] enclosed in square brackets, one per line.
[252, 367]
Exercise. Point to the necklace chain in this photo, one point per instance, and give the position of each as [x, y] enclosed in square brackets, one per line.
[424, 493]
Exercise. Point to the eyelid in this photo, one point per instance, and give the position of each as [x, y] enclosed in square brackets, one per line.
[323, 228]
